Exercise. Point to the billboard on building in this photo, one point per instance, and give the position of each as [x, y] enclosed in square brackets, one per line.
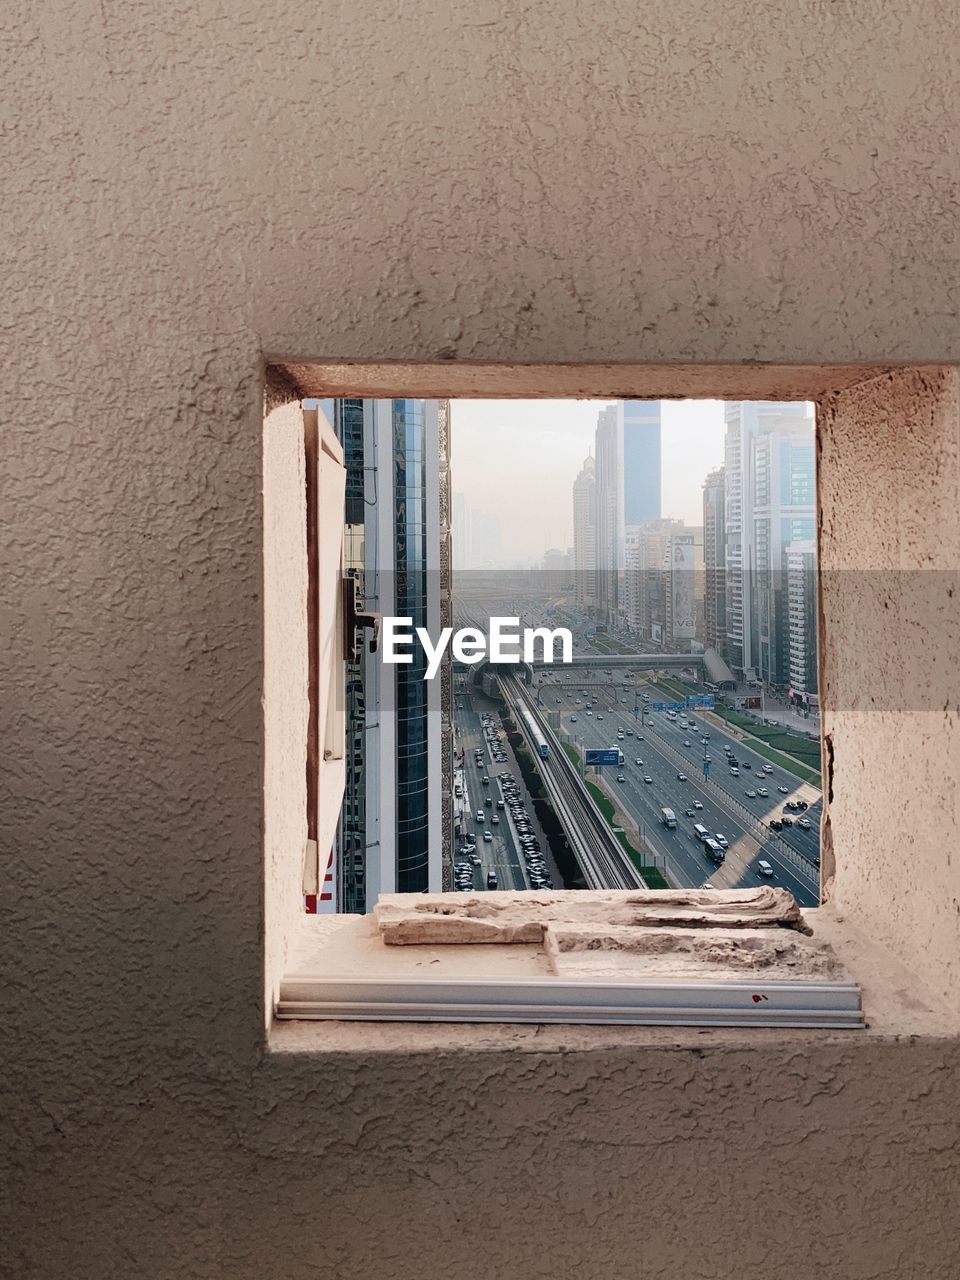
[683, 586]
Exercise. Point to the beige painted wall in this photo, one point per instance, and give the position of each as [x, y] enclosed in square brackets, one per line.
[190, 192]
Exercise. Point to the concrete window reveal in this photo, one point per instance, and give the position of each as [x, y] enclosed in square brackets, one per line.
[742, 957]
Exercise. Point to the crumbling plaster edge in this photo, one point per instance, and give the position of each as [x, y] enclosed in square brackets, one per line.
[899, 1009]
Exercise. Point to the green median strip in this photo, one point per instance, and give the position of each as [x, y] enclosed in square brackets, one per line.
[653, 878]
[795, 754]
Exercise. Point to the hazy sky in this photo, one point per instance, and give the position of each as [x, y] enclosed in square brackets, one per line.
[518, 459]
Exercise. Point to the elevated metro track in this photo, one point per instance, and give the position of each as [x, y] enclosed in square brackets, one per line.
[604, 861]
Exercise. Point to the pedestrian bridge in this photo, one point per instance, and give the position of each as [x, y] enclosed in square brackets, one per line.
[712, 667]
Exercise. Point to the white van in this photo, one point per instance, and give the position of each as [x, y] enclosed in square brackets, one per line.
[700, 831]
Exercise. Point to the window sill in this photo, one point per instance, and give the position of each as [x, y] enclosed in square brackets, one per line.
[894, 1002]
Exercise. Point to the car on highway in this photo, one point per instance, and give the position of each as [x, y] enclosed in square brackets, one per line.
[721, 840]
[487, 837]
[488, 800]
[762, 791]
[734, 771]
[697, 804]
[804, 822]
[706, 885]
[776, 824]
[495, 819]
[764, 868]
[474, 859]
[492, 881]
[647, 778]
[589, 712]
[784, 790]
[689, 812]
[599, 717]
[479, 815]
[573, 719]
[786, 822]
[621, 778]
[751, 794]
[746, 765]
[638, 760]
[681, 777]
[687, 743]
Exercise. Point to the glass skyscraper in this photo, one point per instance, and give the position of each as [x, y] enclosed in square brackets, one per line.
[410, 601]
[392, 830]
[641, 461]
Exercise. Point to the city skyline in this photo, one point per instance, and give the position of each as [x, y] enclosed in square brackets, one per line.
[549, 439]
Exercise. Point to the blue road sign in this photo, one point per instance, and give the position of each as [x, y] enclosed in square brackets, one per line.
[604, 755]
[658, 706]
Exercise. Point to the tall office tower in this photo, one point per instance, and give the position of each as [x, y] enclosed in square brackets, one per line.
[487, 544]
[714, 542]
[769, 503]
[683, 587]
[351, 852]
[609, 508]
[392, 832]
[462, 533]
[801, 575]
[652, 562]
[445, 675]
[557, 570]
[632, 577]
[585, 535]
[642, 467]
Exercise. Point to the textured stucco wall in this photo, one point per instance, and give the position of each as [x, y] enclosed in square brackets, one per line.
[890, 576]
[190, 191]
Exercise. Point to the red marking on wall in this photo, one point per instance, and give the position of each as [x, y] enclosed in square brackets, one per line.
[327, 894]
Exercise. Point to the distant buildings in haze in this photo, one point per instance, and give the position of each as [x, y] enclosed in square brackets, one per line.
[743, 582]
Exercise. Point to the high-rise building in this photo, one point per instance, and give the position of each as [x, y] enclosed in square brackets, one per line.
[394, 834]
[585, 535]
[646, 592]
[801, 575]
[714, 565]
[642, 466]
[632, 578]
[683, 585]
[628, 476]
[486, 541]
[769, 503]
[609, 508]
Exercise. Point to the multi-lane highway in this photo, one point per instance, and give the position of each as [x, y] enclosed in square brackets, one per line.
[659, 744]
[501, 854]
